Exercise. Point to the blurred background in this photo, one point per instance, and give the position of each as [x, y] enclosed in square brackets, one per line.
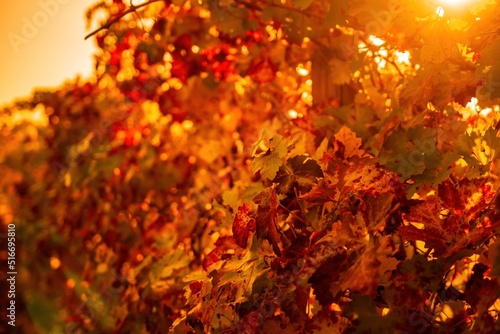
[42, 44]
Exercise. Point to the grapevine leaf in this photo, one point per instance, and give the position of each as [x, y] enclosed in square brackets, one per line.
[240, 274]
[436, 50]
[375, 211]
[478, 149]
[243, 225]
[267, 217]
[323, 192]
[301, 170]
[450, 231]
[413, 154]
[362, 276]
[269, 162]
[351, 145]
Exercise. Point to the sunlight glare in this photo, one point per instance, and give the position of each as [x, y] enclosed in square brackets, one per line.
[403, 57]
[293, 114]
[376, 41]
[472, 108]
[454, 2]
[302, 71]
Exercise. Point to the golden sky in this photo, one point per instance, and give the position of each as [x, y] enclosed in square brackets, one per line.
[42, 44]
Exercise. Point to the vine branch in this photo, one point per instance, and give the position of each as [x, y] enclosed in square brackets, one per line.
[131, 9]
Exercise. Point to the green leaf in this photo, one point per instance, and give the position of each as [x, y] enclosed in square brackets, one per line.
[241, 274]
[478, 150]
[268, 163]
[252, 190]
[413, 154]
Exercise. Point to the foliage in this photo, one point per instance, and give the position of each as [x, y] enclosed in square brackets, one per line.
[269, 166]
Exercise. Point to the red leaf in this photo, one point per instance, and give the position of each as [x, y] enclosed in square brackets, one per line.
[449, 232]
[195, 286]
[267, 217]
[242, 226]
[262, 70]
[222, 245]
[450, 197]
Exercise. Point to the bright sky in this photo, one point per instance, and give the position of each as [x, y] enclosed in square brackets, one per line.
[41, 45]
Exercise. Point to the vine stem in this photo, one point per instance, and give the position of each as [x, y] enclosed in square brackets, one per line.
[293, 9]
[131, 9]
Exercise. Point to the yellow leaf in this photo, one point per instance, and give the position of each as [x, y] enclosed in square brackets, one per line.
[351, 143]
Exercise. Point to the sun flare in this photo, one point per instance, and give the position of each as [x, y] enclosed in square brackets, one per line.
[455, 3]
